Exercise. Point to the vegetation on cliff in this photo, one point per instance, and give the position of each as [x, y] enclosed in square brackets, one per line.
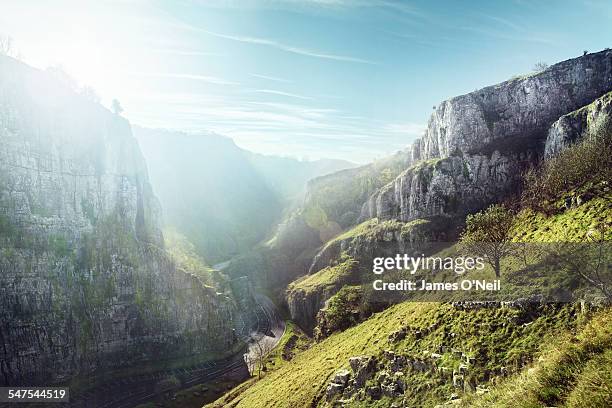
[470, 354]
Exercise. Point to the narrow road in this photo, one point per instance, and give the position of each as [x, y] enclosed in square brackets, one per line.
[268, 336]
[262, 324]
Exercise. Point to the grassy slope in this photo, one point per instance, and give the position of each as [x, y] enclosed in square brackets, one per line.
[328, 276]
[184, 253]
[573, 371]
[299, 381]
[550, 338]
[572, 225]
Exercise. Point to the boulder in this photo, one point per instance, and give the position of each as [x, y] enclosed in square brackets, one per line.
[374, 392]
[333, 389]
[342, 377]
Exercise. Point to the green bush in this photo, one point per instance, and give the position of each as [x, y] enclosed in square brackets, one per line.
[343, 311]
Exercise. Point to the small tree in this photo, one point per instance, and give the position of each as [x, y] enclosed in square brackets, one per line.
[117, 108]
[487, 234]
[590, 260]
[89, 93]
[540, 66]
[260, 350]
[6, 45]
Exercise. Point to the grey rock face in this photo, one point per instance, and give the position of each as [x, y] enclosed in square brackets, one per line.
[85, 284]
[476, 144]
[571, 127]
[305, 304]
[449, 186]
[519, 108]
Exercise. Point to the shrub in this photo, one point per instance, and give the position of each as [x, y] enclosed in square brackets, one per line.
[589, 160]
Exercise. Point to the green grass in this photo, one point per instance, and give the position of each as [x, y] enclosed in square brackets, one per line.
[571, 225]
[358, 230]
[326, 277]
[558, 357]
[495, 337]
[186, 257]
[300, 380]
[574, 370]
[293, 342]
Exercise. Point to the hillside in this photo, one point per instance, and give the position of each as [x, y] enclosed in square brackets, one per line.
[550, 168]
[430, 353]
[465, 161]
[222, 198]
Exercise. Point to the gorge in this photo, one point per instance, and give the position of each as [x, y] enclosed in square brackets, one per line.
[92, 286]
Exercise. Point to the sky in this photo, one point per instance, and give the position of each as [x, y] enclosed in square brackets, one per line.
[347, 79]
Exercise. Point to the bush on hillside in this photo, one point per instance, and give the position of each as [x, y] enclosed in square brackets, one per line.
[488, 234]
[589, 160]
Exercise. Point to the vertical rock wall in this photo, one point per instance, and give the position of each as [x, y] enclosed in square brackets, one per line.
[85, 284]
[476, 145]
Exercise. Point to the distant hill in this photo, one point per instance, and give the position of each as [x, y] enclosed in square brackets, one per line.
[223, 198]
[288, 177]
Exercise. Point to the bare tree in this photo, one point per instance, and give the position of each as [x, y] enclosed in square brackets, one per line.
[590, 260]
[540, 66]
[261, 350]
[487, 234]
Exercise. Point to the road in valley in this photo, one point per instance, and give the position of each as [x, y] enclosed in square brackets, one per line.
[261, 323]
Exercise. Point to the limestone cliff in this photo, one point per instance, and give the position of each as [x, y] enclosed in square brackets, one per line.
[571, 127]
[85, 284]
[476, 144]
[473, 153]
[356, 248]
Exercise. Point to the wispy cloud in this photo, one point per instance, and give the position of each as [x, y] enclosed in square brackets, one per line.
[281, 93]
[505, 22]
[271, 78]
[194, 53]
[203, 78]
[289, 48]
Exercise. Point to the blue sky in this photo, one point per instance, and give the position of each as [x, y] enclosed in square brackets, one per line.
[312, 78]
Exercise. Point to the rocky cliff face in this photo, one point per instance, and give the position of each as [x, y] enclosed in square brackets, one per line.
[571, 127]
[328, 272]
[473, 153]
[476, 144]
[303, 307]
[85, 284]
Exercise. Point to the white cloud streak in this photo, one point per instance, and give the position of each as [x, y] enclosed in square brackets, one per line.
[271, 78]
[281, 93]
[289, 48]
[203, 78]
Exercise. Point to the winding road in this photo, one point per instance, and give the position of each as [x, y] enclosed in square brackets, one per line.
[261, 323]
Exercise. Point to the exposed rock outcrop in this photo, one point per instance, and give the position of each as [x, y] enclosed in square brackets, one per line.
[85, 284]
[307, 296]
[451, 186]
[476, 144]
[571, 127]
[370, 239]
[516, 110]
